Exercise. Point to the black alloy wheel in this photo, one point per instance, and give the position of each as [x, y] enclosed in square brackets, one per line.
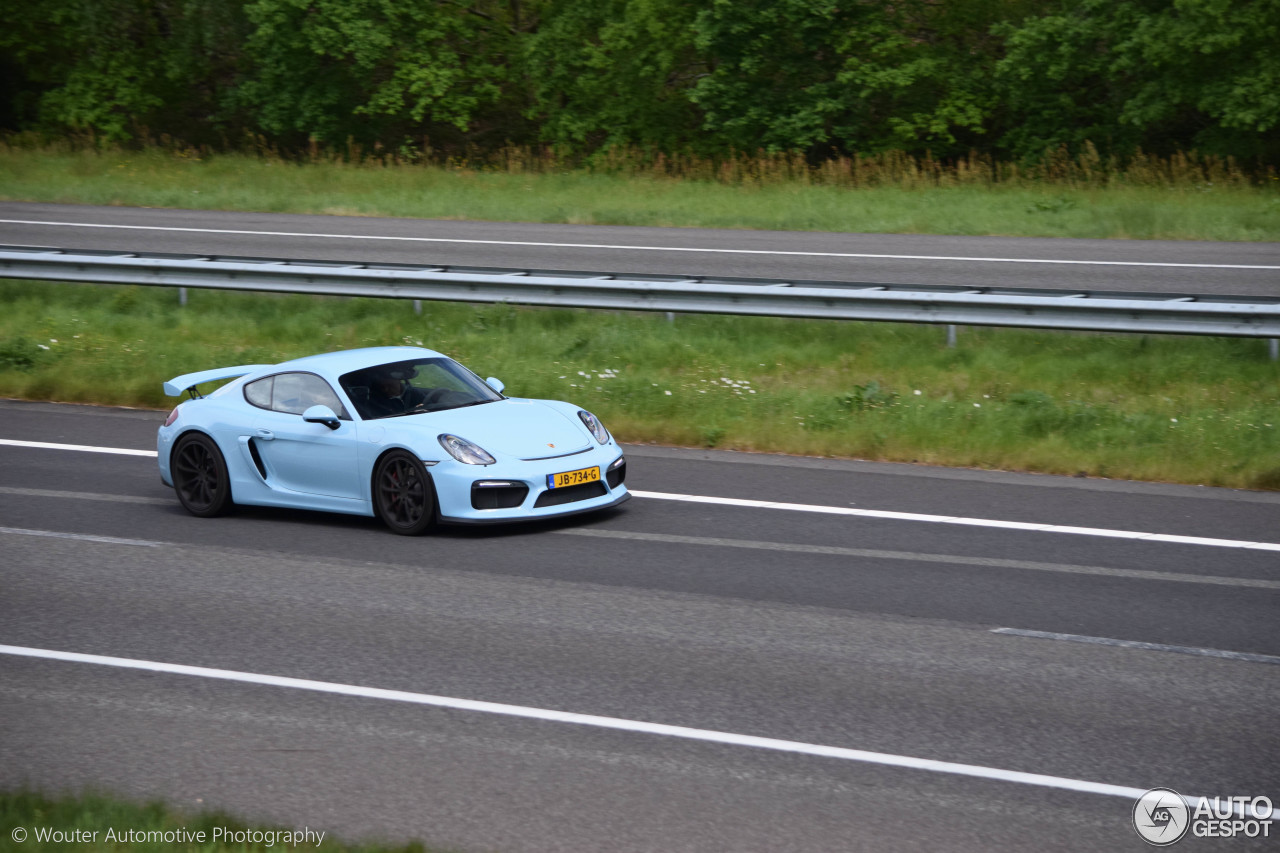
[200, 476]
[403, 495]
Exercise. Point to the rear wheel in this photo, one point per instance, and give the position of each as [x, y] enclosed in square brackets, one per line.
[200, 476]
[403, 495]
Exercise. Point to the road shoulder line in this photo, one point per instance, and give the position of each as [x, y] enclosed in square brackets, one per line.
[615, 723]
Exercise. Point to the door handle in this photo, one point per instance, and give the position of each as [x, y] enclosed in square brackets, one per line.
[266, 434]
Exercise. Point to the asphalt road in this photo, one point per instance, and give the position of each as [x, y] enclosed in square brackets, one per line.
[814, 628]
[1240, 269]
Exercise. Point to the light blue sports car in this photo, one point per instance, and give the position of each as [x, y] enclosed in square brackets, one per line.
[403, 433]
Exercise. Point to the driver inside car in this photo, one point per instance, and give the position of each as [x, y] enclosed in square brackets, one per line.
[391, 394]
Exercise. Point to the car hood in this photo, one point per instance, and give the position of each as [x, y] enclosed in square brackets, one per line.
[525, 429]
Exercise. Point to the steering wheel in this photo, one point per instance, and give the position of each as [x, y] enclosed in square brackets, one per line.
[428, 398]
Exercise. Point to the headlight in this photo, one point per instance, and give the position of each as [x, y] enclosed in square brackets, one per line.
[465, 451]
[593, 423]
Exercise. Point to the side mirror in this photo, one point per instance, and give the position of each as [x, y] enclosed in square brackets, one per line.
[321, 415]
[495, 384]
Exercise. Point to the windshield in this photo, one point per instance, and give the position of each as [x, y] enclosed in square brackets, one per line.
[412, 387]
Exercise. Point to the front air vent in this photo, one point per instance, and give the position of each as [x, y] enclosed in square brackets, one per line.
[617, 473]
[498, 494]
[571, 494]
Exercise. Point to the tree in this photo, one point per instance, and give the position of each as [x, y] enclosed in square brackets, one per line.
[819, 75]
[1160, 74]
[379, 70]
[121, 68]
[615, 72]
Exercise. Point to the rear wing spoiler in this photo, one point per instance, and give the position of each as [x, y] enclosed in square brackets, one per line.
[188, 381]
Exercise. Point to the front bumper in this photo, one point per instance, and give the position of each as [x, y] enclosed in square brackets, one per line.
[571, 509]
[456, 490]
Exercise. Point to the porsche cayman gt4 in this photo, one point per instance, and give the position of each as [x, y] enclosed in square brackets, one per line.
[405, 434]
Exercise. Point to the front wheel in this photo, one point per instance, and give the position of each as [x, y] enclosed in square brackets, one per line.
[403, 495]
[200, 476]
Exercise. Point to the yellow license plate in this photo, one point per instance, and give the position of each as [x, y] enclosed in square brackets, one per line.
[573, 478]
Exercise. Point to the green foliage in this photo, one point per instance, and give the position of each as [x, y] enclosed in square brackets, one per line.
[18, 353]
[123, 69]
[818, 78]
[1156, 74]
[710, 436]
[613, 73]
[374, 70]
[867, 396]
[823, 76]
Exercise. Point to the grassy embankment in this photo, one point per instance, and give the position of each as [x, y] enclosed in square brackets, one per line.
[82, 815]
[1195, 410]
[1188, 410]
[1180, 198]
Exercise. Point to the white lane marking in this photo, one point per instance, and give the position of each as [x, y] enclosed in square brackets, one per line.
[83, 496]
[644, 248]
[84, 448]
[1252, 657]
[829, 510]
[952, 559]
[79, 537]
[616, 723]
[971, 522]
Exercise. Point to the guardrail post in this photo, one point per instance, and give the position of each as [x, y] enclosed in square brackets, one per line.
[951, 336]
[417, 306]
[182, 296]
[1274, 346]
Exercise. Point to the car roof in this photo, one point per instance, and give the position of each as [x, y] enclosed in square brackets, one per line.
[334, 364]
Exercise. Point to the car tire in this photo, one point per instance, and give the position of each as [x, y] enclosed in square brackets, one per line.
[403, 494]
[200, 476]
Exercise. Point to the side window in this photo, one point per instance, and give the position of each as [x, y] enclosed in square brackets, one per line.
[294, 393]
[258, 393]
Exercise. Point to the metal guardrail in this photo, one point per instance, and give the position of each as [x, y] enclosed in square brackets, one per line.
[1103, 311]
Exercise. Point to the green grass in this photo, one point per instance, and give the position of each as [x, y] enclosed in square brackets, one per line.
[1184, 205]
[1193, 410]
[92, 817]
